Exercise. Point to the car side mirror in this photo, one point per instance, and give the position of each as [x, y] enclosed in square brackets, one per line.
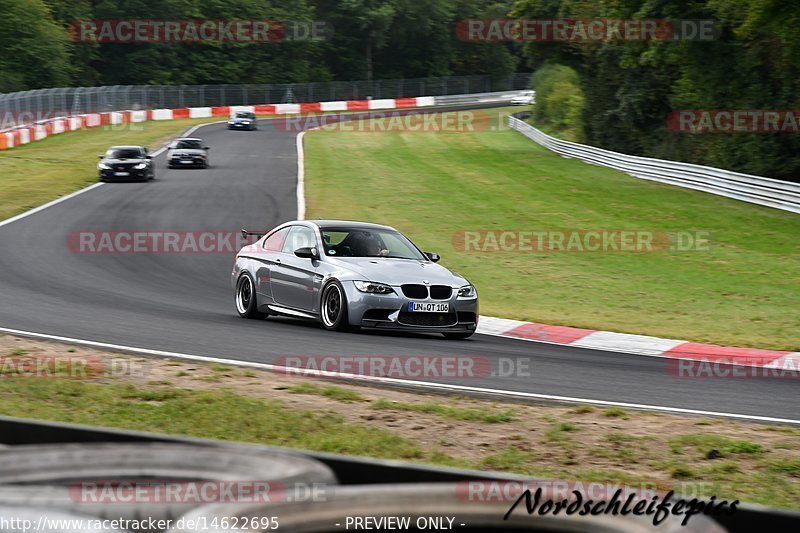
[434, 257]
[307, 253]
[100, 156]
[206, 148]
[148, 157]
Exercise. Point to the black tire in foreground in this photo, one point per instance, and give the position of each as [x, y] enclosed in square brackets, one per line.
[96, 479]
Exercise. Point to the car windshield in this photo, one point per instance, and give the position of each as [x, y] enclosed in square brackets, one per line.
[244, 115]
[189, 144]
[124, 153]
[359, 242]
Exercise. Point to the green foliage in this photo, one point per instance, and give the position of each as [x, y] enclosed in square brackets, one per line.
[379, 39]
[631, 87]
[559, 101]
[33, 48]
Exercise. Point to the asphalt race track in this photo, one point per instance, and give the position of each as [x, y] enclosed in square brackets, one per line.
[184, 303]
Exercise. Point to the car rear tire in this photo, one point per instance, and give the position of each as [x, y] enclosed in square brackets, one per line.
[456, 336]
[333, 307]
[246, 299]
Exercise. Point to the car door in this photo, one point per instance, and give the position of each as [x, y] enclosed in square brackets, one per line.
[293, 278]
[269, 256]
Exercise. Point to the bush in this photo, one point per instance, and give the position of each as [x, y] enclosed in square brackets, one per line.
[559, 101]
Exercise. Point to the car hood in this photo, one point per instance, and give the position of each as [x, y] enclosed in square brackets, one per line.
[242, 120]
[123, 161]
[398, 271]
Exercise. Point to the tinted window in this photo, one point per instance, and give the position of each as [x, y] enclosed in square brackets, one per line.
[124, 153]
[274, 242]
[356, 242]
[189, 145]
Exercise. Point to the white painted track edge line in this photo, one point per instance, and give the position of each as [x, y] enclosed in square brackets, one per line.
[49, 204]
[397, 381]
[301, 177]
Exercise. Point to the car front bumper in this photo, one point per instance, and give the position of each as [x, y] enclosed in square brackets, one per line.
[183, 162]
[130, 174]
[390, 312]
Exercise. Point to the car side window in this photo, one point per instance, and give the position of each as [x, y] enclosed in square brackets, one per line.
[299, 237]
[274, 242]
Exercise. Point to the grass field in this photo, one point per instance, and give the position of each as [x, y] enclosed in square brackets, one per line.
[742, 289]
[38, 172]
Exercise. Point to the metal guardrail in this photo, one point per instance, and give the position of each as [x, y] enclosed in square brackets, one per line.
[476, 97]
[768, 192]
[40, 104]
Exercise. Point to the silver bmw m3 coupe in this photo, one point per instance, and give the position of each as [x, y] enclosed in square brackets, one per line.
[351, 275]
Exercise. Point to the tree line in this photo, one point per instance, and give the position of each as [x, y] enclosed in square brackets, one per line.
[366, 39]
[615, 94]
[625, 96]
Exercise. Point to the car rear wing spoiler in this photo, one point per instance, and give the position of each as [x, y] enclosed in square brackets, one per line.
[246, 233]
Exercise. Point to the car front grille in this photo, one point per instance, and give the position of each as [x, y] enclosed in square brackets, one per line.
[414, 291]
[427, 319]
[441, 292]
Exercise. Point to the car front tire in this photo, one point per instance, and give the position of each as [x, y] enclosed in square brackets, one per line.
[246, 301]
[333, 307]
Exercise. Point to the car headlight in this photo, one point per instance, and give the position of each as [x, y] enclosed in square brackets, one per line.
[230, 122]
[373, 288]
[140, 166]
[246, 122]
[103, 166]
[467, 292]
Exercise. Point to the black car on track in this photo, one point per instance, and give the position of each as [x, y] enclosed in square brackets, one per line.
[126, 163]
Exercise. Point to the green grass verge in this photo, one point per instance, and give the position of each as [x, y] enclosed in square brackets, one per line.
[333, 392]
[218, 414]
[41, 171]
[742, 291]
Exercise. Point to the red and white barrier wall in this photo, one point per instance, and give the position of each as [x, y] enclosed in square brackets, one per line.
[20, 135]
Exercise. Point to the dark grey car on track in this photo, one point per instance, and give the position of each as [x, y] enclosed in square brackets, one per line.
[352, 274]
